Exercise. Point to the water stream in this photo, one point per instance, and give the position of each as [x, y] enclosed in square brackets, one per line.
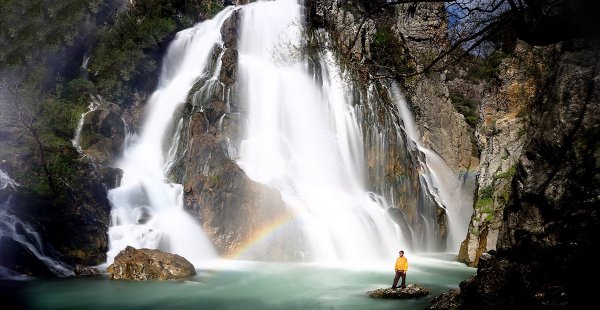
[18, 234]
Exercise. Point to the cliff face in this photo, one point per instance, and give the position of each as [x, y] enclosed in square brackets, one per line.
[404, 37]
[550, 225]
[504, 113]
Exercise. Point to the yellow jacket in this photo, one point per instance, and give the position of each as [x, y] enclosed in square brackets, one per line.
[401, 263]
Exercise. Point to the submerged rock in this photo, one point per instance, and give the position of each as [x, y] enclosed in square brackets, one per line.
[411, 291]
[149, 264]
[84, 271]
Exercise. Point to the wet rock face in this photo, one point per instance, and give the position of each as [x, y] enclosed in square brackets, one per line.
[149, 264]
[103, 134]
[416, 30]
[445, 301]
[83, 271]
[231, 207]
[16, 257]
[229, 30]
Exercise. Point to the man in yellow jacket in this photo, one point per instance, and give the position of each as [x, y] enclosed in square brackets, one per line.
[401, 268]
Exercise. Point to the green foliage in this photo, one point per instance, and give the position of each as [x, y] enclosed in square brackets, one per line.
[129, 52]
[121, 58]
[61, 117]
[486, 192]
[39, 149]
[44, 105]
[507, 175]
[488, 217]
[387, 51]
[484, 202]
[31, 28]
[210, 8]
[486, 68]
[77, 91]
[465, 106]
[485, 197]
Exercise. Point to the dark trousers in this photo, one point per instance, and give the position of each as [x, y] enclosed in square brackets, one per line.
[400, 273]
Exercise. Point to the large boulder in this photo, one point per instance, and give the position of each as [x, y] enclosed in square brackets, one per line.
[149, 264]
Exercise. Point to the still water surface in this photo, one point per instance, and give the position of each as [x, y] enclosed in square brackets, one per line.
[251, 285]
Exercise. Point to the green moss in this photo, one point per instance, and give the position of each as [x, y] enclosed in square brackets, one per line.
[488, 217]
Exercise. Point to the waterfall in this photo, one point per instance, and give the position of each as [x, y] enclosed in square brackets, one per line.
[147, 209]
[94, 104]
[6, 181]
[309, 133]
[444, 185]
[303, 139]
[20, 233]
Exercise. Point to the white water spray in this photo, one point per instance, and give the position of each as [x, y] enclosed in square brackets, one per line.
[443, 184]
[304, 139]
[6, 181]
[21, 232]
[147, 210]
[94, 104]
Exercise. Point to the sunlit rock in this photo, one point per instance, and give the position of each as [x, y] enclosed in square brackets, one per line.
[149, 264]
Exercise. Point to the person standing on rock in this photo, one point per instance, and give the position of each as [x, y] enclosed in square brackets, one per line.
[401, 268]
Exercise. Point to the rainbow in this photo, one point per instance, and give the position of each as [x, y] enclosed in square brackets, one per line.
[265, 232]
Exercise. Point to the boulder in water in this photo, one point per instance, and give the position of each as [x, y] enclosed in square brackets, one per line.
[84, 271]
[149, 264]
[410, 291]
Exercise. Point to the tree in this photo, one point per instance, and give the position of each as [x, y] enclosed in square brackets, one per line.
[477, 27]
[22, 114]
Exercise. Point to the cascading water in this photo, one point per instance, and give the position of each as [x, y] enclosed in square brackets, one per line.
[304, 140]
[443, 184]
[94, 104]
[21, 234]
[304, 136]
[147, 210]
